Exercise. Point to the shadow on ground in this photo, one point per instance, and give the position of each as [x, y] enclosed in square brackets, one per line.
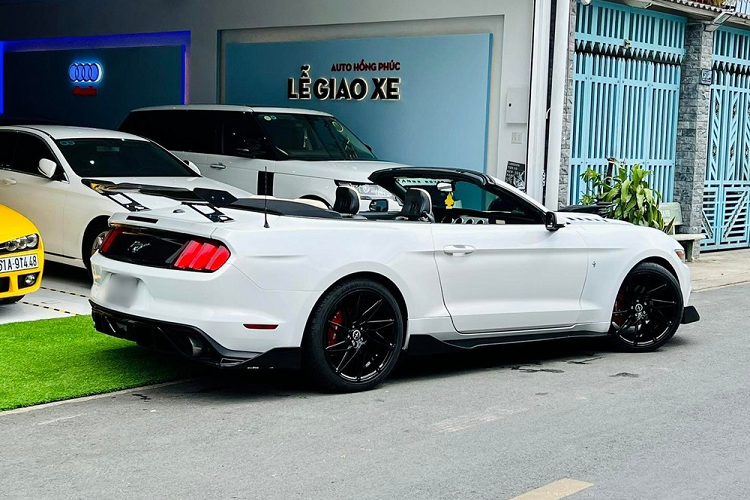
[229, 386]
[62, 271]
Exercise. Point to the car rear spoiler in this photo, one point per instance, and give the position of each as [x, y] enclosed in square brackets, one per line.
[204, 201]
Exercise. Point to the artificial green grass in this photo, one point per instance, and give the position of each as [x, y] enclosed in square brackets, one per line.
[50, 360]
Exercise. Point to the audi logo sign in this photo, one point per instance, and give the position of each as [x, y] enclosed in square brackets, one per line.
[85, 72]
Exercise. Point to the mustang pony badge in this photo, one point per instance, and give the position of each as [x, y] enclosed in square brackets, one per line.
[137, 247]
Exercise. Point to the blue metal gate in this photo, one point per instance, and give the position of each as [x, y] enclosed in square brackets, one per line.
[726, 199]
[626, 92]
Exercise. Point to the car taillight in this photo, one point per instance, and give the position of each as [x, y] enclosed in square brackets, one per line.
[199, 255]
[164, 249]
[110, 238]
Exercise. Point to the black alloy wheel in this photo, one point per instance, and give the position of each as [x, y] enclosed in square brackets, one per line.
[354, 337]
[97, 243]
[648, 309]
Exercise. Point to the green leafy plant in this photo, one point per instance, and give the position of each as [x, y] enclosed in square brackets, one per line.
[628, 193]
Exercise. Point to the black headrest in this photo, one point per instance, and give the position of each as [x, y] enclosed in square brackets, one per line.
[347, 200]
[417, 202]
[501, 205]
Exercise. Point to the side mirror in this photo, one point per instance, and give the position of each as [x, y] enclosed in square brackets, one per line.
[192, 166]
[445, 187]
[253, 149]
[550, 222]
[47, 168]
[379, 206]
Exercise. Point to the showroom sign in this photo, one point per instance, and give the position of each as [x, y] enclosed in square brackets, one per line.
[415, 89]
[85, 72]
[358, 89]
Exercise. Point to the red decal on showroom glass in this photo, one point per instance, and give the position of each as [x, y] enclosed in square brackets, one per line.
[84, 91]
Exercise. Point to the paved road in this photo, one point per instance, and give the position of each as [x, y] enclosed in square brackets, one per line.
[667, 425]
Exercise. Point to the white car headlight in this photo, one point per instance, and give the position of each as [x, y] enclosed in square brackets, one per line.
[18, 244]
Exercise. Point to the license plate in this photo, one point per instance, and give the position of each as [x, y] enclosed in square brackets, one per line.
[10, 264]
[121, 290]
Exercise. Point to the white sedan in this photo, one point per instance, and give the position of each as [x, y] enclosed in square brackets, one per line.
[48, 173]
[468, 262]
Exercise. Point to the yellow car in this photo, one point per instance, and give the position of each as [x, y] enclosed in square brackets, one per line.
[21, 256]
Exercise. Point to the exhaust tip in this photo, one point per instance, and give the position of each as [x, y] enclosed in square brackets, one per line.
[196, 346]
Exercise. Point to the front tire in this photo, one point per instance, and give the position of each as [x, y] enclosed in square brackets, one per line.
[354, 337]
[10, 300]
[648, 309]
[92, 240]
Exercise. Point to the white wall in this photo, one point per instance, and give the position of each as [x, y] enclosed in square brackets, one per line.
[204, 19]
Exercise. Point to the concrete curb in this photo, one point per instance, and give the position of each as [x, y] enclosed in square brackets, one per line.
[719, 287]
[42, 406]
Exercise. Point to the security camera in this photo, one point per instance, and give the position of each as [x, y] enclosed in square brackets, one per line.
[639, 4]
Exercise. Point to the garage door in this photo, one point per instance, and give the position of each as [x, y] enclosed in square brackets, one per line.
[726, 199]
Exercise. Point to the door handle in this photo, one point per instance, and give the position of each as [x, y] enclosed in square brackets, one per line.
[9, 182]
[218, 166]
[459, 250]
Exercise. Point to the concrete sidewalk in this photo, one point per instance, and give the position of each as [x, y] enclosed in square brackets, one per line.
[719, 269]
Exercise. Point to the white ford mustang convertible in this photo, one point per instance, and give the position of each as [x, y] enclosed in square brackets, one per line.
[467, 262]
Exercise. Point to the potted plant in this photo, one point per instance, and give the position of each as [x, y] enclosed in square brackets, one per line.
[627, 195]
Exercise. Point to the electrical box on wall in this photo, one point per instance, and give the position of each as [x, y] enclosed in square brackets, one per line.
[517, 105]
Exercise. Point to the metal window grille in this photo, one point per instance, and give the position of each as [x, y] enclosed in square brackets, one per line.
[626, 93]
[726, 199]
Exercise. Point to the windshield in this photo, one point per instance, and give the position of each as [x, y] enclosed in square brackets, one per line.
[313, 137]
[121, 158]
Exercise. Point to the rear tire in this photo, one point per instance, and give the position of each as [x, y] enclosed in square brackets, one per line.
[354, 337]
[648, 309]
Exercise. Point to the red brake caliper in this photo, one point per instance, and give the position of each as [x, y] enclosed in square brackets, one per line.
[620, 302]
[338, 318]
